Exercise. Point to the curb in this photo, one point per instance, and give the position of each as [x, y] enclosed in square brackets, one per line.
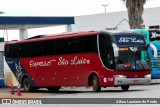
[155, 81]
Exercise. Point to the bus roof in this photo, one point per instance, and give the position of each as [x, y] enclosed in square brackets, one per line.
[67, 35]
[55, 36]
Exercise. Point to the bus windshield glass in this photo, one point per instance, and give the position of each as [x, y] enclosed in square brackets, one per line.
[133, 58]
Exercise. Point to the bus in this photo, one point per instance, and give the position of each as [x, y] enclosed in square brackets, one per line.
[153, 37]
[89, 58]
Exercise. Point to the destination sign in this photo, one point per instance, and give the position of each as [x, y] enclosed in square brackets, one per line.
[154, 35]
[130, 40]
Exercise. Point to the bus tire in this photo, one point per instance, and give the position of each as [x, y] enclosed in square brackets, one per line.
[125, 87]
[95, 84]
[26, 85]
[54, 89]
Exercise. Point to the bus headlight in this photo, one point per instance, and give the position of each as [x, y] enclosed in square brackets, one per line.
[148, 76]
[120, 76]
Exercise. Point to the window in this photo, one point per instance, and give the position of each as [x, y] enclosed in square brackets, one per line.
[75, 45]
[90, 44]
[62, 46]
[49, 47]
[106, 51]
[24, 50]
[36, 48]
[154, 27]
[11, 51]
[7, 51]
[15, 50]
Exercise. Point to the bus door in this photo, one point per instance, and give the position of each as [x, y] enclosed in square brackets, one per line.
[107, 56]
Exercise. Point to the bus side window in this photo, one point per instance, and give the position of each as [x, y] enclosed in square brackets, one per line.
[75, 45]
[62, 46]
[106, 51]
[8, 51]
[24, 49]
[90, 44]
[14, 51]
[11, 51]
[36, 48]
[109, 53]
[49, 47]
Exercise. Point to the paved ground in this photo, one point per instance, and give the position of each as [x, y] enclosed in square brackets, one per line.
[139, 91]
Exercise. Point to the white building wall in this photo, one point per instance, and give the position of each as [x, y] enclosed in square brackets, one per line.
[151, 17]
[1, 46]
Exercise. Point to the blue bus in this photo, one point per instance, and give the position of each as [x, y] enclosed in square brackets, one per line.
[153, 39]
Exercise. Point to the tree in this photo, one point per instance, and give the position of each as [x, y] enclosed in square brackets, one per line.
[135, 10]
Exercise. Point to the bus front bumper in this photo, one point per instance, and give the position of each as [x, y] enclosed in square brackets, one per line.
[131, 81]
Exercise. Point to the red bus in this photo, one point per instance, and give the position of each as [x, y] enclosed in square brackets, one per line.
[89, 58]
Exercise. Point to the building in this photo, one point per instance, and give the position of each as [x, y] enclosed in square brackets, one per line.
[115, 20]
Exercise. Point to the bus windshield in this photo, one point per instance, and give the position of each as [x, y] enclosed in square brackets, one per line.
[133, 58]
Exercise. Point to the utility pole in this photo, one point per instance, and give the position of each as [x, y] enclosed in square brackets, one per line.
[105, 5]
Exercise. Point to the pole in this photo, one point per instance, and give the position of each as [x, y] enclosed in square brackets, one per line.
[105, 5]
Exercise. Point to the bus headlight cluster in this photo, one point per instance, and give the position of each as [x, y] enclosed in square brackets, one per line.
[148, 76]
[120, 76]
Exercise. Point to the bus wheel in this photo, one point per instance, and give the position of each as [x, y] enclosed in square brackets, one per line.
[54, 89]
[95, 84]
[26, 85]
[125, 87]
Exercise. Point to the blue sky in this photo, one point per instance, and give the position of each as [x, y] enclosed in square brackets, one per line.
[59, 8]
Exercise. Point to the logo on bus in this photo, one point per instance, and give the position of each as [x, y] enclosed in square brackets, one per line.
[130, 39]
[61, 61]
[155, 35]
[74, 61]
[41, 63]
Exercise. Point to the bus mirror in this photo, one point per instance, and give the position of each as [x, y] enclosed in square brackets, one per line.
[154, 50]
[115, 49]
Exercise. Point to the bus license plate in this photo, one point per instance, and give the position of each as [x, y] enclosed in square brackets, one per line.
[135, 81]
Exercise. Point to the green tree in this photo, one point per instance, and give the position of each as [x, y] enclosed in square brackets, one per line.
[135, 10]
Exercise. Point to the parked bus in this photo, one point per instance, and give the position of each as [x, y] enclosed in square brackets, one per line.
[89, 58]
[153, 37]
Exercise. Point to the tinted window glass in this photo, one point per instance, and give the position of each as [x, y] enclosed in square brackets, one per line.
[106, 51]
[75, 45]
[90, 44]
[15, 50]
[36, 48]
[62, 46]
[11, 51]
[24, 50]
[7, 49]
[49, 47]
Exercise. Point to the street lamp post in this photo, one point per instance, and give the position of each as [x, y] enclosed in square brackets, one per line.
[105, 5]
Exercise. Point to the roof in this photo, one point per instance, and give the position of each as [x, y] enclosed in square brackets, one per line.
[14, 22]
[119, 32]
[56, 36]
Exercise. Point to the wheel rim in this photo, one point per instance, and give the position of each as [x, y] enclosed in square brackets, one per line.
[26, 85]
[94, 84]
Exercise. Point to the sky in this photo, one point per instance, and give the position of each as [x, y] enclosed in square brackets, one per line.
[60, 8]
